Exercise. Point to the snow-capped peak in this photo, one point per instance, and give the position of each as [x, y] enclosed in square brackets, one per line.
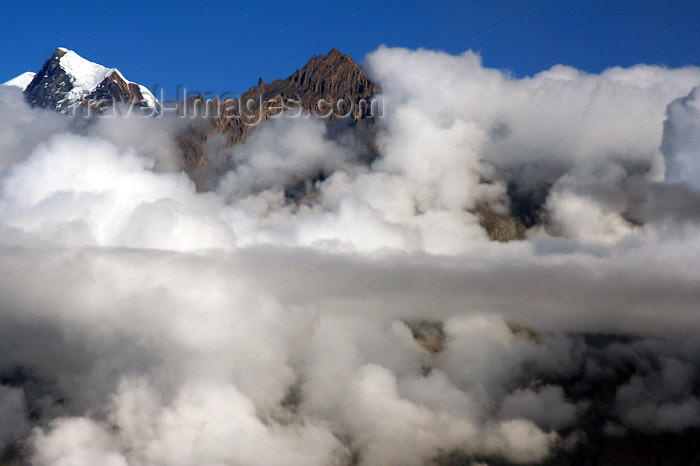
[68, 81]
[21, 81]
[84, 74]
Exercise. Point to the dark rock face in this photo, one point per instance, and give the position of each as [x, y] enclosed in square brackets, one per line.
[115, 89]
[52, 85]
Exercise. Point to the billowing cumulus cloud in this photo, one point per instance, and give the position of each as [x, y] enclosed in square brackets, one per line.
[682, 139]
[369, 320]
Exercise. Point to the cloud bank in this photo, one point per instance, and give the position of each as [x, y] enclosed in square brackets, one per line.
[143, 322]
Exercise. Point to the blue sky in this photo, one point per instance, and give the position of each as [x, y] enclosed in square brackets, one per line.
[225, 46]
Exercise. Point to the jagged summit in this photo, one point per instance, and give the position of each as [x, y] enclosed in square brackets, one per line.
[334, 73]
[67, 80]
[327, 78]
[334, 76]
[331, 77]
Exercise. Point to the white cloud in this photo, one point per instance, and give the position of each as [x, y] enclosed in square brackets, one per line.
[170, 326]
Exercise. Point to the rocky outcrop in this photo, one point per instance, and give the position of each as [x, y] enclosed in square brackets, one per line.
[429, 334]
[502, 227]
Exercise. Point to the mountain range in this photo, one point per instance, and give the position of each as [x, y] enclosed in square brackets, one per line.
[331, 85]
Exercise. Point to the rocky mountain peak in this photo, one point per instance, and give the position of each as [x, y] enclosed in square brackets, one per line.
[326, 78]
[335, 74]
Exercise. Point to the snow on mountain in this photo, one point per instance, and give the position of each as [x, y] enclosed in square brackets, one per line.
[21, 81]
[85, 75]
[148, 97]
[68, 80]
